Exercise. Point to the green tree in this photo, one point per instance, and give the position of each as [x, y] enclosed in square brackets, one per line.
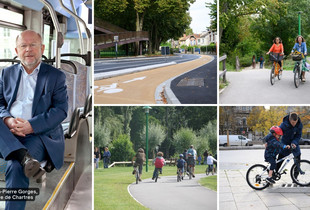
[183, 139]
[156, 135]
[122, 149]
[208, 138]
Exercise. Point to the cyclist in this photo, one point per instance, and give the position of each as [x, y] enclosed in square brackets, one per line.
[181, 163]
[159, 163]
[277, 47]
[210, 160]
[292, 131]
[139, 158]
[191, 158]
[300, 46]
[274, 147]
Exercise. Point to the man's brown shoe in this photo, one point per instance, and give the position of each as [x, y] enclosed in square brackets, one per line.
[32, 167]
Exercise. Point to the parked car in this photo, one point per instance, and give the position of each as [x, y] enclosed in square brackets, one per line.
[304, 141]
[234, 140]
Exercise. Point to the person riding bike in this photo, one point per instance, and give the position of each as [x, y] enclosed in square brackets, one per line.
[273, 148]
[277, 47]
[159, 162]
[139, 158]
[191, 158]
[181, 163]
[300, 46]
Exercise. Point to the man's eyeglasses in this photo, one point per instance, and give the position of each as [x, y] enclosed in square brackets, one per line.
[32, 45]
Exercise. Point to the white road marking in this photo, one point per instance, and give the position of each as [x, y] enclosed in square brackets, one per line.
[135, 79]
[109, 89]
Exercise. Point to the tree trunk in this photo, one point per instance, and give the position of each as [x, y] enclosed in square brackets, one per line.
[139, 27]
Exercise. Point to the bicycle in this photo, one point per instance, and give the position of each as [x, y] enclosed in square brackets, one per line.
[275, 71]
[137, 173]
[298, 57]
[190, 164]
[209, 169]
[179, 176]
[300, 173]
[156, 174]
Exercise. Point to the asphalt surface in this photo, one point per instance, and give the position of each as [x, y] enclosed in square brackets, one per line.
[108, 65]
[192, 94]
[254, 87]
[167, 193]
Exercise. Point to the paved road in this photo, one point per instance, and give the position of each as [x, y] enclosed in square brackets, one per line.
[253, 87]
[167, 193]
[235, 194]
[140, 87]
[205, 93]
[107, 65]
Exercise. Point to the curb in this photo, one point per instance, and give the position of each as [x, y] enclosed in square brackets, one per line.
[106, 75]
[170, 96]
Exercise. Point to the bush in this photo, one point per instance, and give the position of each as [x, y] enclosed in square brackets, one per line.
[183, 138]
[245, 61]
[190, 49]
[211, 47]
[203, 49]
[122, 149]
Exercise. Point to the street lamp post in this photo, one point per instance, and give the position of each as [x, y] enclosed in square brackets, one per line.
[147, 110]
[299, 23]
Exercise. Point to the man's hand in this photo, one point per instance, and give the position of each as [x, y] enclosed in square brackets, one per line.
[21, 127]
[293, 146]
[265, 145]
[287, 147]
[10, 122]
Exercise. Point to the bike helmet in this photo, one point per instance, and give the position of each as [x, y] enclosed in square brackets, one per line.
[181, 155]
[277, 130]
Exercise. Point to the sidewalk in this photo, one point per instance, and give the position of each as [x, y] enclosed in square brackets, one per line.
[234, 193]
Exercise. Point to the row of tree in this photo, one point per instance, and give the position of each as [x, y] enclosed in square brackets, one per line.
[248, 27]
[171, 130]
[261, 119]
[163, 19]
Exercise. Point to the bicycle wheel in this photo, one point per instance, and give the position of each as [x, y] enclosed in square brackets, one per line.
[272, 76]
[156, 175]
[190, 172]
[137, 176]
[256, 177]
[297, 76]
[300, 173]
[279, 72]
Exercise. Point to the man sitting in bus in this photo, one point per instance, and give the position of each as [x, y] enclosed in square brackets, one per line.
[33, 103]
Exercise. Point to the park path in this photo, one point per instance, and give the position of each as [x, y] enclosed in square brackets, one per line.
[252, 86]
[167, 193]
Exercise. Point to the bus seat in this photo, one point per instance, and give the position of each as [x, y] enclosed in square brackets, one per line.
[71, 136]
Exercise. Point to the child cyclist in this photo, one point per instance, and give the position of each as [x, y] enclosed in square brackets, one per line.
[159, 163]
[139, 159]
[210, 160]
[273, 148]
[181, 163]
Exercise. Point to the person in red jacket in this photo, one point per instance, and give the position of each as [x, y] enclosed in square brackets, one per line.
[159, 163]
[277, 47]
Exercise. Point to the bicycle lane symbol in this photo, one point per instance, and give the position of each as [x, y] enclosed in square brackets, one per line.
[109, 89]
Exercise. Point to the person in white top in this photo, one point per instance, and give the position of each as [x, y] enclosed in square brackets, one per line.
[210, 161]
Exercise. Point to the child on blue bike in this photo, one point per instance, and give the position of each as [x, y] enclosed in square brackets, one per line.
[273, 148]
[181, 163]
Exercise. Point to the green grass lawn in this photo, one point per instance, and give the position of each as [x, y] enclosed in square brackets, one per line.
[110, 185]
[209, 182]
